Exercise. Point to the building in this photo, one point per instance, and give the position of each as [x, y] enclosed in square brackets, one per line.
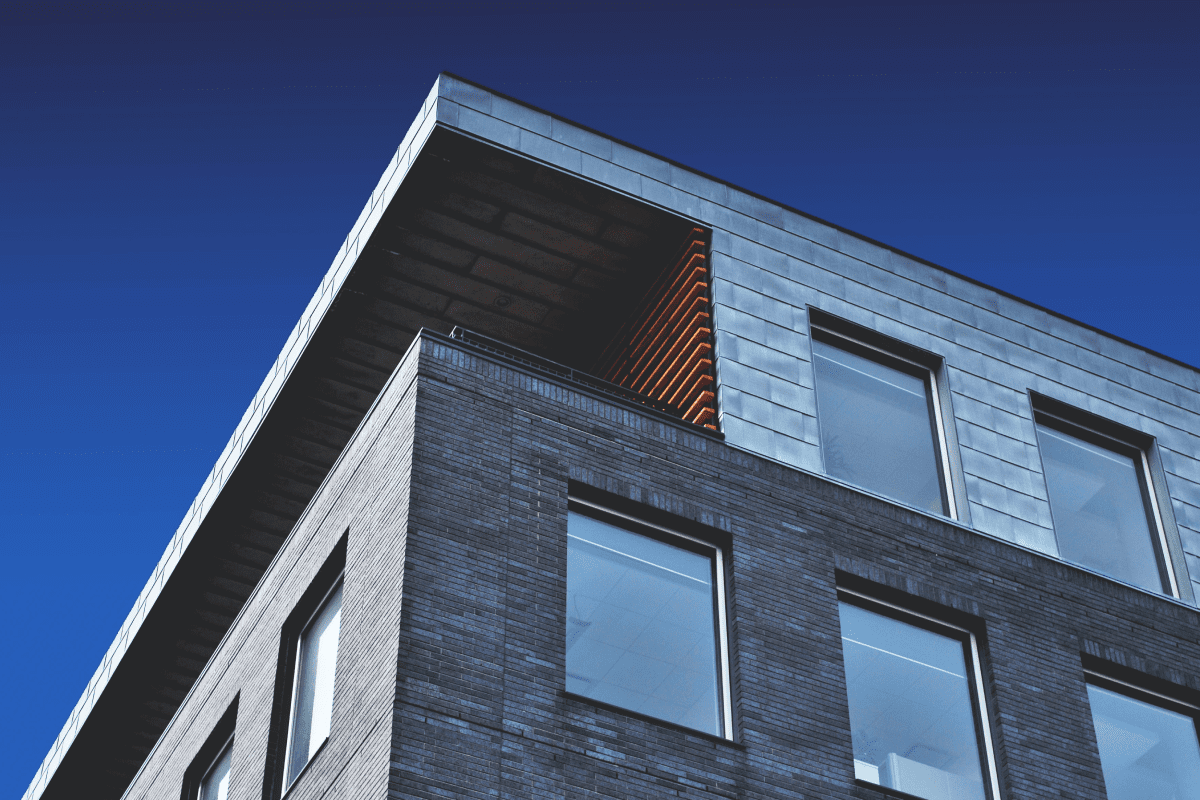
[584, 474]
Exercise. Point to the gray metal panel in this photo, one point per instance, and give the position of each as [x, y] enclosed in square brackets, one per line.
[770, 262]
[640, 162]
[1034, 537]
[546, 149]
[1187, 511]
[752, 354]
[1013, 476]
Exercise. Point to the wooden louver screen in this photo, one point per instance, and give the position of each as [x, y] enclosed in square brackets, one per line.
[665, 348]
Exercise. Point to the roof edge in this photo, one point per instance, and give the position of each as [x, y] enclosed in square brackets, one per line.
[251, 421]
[832, 225]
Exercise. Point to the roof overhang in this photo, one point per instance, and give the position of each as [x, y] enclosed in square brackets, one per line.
[462, 230]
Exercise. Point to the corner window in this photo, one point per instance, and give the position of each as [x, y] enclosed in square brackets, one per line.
[880, 421]
[215, 783]
[1148, 751]
[1102, 503]
[917, 720]
[645, 620]
[312, 689]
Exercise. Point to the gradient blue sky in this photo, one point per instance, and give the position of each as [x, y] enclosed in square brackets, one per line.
[174, 183]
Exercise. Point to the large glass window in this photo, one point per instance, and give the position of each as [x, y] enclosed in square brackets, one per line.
[1101, 504]
[312, 695]
[916, 720]
[644, 622]
[1147, 752]
[879, 422]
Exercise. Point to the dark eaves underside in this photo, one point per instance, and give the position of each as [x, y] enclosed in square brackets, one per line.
[475, 237]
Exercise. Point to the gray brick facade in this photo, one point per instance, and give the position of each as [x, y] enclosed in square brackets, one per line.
[454, 496]
[792, 539]
[366, 499]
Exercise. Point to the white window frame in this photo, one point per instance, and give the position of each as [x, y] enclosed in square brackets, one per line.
[602, 512]
[983, 723]
[1064, 424]
[296, 644]
[882, 356]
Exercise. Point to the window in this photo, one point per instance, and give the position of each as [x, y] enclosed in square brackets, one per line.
[1102, 501]
[1148, 751]
[215, 783]
[312, 689]
[645, 620]
[917, 722]
[880, 419]
[207, 777]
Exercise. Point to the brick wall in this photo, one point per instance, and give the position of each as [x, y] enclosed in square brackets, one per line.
[480, 709]
[454, 492]
[367, 496]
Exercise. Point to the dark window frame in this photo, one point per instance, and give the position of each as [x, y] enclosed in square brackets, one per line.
[676, 537]
[221, 738]
[911, 360]
[973, 659]
[1135, 688]
[328, 578]
[1156, 499]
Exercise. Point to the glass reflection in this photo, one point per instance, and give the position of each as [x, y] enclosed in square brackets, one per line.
[912, 721]
[1146, 752]
[641, 625]
[1099, 510]
[876, 429]
[313, 703]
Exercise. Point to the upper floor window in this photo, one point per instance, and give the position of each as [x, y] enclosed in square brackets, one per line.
[215, 783]
[918, 723]
[312, 691]
[645, 620]
[207, 777]
[1102, 502]
[880, 421]
[1148, 751]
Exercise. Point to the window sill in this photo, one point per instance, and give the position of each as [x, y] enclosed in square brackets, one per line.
[578, 698]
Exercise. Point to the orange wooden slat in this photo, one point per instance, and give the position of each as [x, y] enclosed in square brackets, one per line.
[702, 404]
[677, 340]
[697, 348]
[672, 325]
[697, 374]
[646, 309]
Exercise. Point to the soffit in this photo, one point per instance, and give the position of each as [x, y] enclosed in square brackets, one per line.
[474, 236]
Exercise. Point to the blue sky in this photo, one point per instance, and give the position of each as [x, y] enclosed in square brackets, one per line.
[174, 183]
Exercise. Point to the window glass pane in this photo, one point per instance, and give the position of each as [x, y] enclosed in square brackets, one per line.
[911, 717]
[316, 658]
[641, 625]
[876, 430]
[1146, 752]
[215, 784]
[1099, 509]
